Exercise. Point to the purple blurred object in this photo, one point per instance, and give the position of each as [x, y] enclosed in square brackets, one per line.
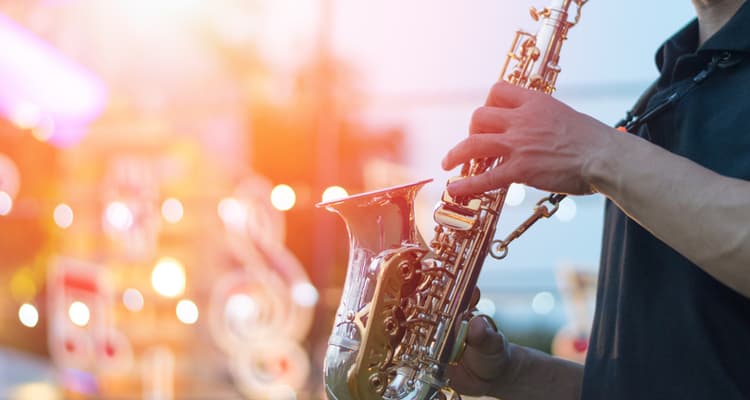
[41, 87]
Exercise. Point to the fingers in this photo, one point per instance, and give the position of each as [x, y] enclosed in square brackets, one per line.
[475, 146]
[497, 177]
[503, 94]
[491, 120]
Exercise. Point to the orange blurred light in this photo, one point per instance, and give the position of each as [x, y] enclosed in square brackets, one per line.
[168, 277]
[187, 312]
[119, 216]
[63, 216]
[334, 193]
[6, 203]
[283, 197]
[233, 213]
[172, 210]
[28, 315]
[132, 299]
[79, 313]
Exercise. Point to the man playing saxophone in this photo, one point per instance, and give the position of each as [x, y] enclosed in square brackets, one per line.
[673, 308]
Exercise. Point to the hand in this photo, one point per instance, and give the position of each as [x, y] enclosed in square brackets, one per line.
[543, 143]
[485, 363]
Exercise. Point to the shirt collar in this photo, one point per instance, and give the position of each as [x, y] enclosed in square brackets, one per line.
[733, 36]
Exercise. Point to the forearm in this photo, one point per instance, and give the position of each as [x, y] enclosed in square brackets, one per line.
[538, 375]
[702, 215]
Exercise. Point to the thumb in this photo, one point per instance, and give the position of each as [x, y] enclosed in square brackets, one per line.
[483, 337]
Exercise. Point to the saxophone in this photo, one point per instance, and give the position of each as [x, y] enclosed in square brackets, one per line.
[406, 305]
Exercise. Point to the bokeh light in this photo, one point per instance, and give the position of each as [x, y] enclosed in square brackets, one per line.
[119, 216]
[241, 307]
[233, 213]
[283, 197]
[132, 299]
[6, 203]
[28, 315]
[63, 216]
[168, 277]
[172, 210]
[543, 303]
[567, 210]
[334, 193]
[187, 312]
[516, 195]
[304, 294]
[79, 313]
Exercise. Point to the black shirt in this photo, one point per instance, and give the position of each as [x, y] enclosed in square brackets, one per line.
[663, 328]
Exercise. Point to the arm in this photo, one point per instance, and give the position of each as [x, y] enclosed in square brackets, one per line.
[702, 215]
[492, 366]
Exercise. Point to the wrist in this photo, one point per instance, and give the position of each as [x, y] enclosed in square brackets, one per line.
[599, 170]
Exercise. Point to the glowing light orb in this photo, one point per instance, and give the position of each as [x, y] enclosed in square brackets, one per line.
[241, 307]
[283, 197]
[168, 277]
[516, 195]
[187, 312]
[119, 216]
[63, 216]
[79, 313]
[567, 210]
[28, 315]
[132, 299]
[6, 203]
[543, 303]
[233, 213]
[487, 307]
[172, 210]
[304, 294]
[334, 193]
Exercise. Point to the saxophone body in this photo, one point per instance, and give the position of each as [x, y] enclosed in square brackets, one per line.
[406, 304]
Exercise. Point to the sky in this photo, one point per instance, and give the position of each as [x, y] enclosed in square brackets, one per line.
[427, 64]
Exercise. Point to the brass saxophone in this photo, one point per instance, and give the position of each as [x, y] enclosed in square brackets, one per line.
[406, 305]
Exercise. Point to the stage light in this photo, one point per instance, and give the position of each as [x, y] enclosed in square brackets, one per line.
[168, 277]
[304, 294]
[172, 210]
[567, 210]
[132, 299]
[79, 313]
[28, 315]
[516, 195]
[543, 303]
[119, 216]
[63, 216]
[187, 312]
[334, 193]
[283, 197]
[6, 203]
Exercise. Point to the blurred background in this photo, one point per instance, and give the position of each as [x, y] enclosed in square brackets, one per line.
[160, 161]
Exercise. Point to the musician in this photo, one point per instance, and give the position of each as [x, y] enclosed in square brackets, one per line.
[673, 308]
